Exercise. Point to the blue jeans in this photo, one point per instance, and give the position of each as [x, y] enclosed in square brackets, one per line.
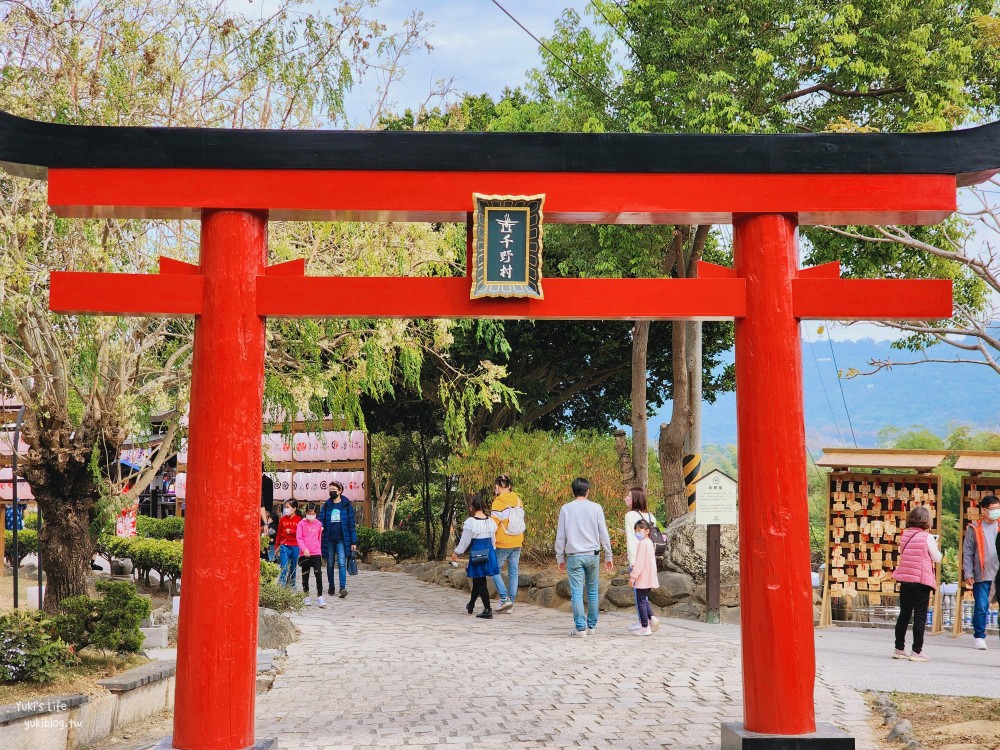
[513, 557]
[289, 557]
[583, 570]
[981, 595]
[341, 560]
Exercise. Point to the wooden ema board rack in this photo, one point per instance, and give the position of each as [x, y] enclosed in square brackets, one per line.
[866, 517]
[974, 487]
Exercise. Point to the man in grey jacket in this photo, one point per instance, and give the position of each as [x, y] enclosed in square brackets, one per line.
[981, 563]
[580, 537]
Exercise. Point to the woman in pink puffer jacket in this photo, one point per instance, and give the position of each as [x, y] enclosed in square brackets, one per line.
[918, 551]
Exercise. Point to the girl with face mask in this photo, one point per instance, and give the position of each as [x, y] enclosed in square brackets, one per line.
[638, 510]
[643, 577]
[309, 535]
[287, 545]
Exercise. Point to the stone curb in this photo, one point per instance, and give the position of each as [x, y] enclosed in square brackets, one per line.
[900, 730]
[39, 706]
[134, 678]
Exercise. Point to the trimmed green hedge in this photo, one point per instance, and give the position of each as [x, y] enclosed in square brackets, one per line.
[401, 545]
[170, 528]
[147, 555]
[27, 543]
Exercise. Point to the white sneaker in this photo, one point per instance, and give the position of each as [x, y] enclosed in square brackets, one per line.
[592, 631]
[307, 601]
[578, 633]
[505, 606]
[979, 644]
[634, 626]
[897, 654]
[321, 602]
[643, 631]
[654, 624]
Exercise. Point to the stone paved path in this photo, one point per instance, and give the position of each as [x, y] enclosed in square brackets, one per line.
[400, 664]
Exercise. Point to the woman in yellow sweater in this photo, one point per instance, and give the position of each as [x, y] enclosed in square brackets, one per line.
[508, 512]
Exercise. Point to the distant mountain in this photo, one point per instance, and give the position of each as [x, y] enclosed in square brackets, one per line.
[931, 395]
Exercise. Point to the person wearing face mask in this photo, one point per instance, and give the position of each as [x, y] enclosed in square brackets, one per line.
[643, 576]
[286, 544]
[981, 563]
[309, 535]
[339, 535]
[638, 510]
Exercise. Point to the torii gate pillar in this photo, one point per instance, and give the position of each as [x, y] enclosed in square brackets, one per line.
[217, 631]
[779, 669]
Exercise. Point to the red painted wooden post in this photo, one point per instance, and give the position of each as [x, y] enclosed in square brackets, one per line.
[217, 633]
[779, 660]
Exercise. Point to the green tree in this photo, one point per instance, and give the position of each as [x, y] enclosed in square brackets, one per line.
[90, 382]
[776, 66]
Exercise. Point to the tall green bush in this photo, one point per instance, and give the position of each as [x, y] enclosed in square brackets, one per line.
[543, 465]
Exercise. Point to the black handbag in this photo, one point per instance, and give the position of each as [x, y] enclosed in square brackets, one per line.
[352, 564]
[479, 556]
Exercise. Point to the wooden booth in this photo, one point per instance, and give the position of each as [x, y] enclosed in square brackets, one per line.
[981, 476]
[869, 496]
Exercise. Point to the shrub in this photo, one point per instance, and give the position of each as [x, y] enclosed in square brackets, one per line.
[402, 545]
[29, 651]
[31, 521]
[269, 572]
[367, 541]
[27, 543]
[110, 622]
[170, 528]
[279, 598]
[542, 465]
[160, 555]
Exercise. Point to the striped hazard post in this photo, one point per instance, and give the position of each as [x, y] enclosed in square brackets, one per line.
[692, 473]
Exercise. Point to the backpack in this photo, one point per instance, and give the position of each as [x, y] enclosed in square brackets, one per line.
[515, 521]
[657, 536]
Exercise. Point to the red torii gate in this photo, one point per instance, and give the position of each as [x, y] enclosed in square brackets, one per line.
[235, 181]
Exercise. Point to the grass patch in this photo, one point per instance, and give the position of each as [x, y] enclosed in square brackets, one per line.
[79, 678]
[932, 715]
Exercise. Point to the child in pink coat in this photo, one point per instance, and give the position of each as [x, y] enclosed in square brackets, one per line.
[643, 576]
[308, 535]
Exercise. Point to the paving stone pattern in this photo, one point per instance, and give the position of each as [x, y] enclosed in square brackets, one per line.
[400, 664]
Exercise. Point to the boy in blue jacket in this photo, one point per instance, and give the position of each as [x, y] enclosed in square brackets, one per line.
[339, 534]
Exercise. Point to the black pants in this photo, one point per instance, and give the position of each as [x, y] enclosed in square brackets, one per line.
[315, 564]
[480, 591]
[913, 599]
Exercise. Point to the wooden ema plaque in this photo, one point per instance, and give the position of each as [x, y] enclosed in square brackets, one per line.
[866, 518]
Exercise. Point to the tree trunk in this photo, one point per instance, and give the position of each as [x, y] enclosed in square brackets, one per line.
[692, 445]
[671, 444]
[66, 549]
[425, 462]
[447, 521]
[640, 435]
[624, 460]
[66, 492]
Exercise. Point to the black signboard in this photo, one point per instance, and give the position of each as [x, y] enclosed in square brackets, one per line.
[507, 261]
